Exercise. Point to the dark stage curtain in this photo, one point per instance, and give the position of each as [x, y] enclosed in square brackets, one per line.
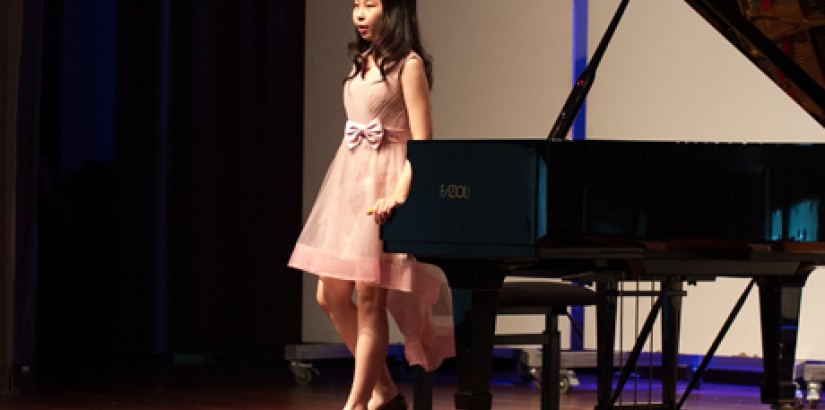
[28, 136]
[163, 182]
[210, 104]
[11, 12]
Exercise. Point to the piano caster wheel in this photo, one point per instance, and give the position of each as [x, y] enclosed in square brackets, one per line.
[303, 372]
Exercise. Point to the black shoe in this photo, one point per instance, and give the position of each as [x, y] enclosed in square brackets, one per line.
[397, 403]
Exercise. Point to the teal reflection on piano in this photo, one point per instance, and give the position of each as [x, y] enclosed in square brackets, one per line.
[803, 222]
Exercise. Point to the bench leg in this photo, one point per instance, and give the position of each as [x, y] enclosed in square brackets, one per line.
[551, 365]
[423, 390]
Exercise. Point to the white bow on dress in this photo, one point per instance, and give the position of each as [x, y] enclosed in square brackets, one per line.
[372, 132]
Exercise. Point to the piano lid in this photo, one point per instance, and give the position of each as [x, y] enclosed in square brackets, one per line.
[784, 38]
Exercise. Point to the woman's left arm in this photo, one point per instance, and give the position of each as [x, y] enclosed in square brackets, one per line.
[416, 91]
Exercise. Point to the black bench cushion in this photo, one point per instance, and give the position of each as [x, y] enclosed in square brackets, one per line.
[544, 294]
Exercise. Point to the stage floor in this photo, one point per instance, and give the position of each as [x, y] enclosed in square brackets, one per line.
[202, 388]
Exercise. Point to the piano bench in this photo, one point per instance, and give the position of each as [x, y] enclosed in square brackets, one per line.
[550, 299]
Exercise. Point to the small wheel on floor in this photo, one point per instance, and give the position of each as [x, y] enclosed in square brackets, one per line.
[303, 373]
[813, 394]
[534, 376]
[565, 384]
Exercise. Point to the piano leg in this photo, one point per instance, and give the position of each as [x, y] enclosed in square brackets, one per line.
[671, 325]
[779, 299]
[475, 297]
[606, 296]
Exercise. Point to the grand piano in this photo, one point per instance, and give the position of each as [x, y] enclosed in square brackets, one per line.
[609, 211]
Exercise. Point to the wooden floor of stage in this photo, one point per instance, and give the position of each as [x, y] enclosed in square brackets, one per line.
[275, 389]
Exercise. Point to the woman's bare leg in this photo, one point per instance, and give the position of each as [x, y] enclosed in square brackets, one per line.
[335, 298]
[371, 344]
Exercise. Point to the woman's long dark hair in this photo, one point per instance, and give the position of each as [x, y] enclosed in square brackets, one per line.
[398, 37]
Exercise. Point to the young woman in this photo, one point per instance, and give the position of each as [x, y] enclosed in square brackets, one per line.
[386, 97]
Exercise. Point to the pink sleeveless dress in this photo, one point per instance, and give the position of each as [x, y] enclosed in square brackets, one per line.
[341, 241]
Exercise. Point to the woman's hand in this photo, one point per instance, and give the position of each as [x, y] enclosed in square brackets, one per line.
[383, 208]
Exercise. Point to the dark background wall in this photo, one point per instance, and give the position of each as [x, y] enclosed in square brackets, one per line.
[166, 181]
